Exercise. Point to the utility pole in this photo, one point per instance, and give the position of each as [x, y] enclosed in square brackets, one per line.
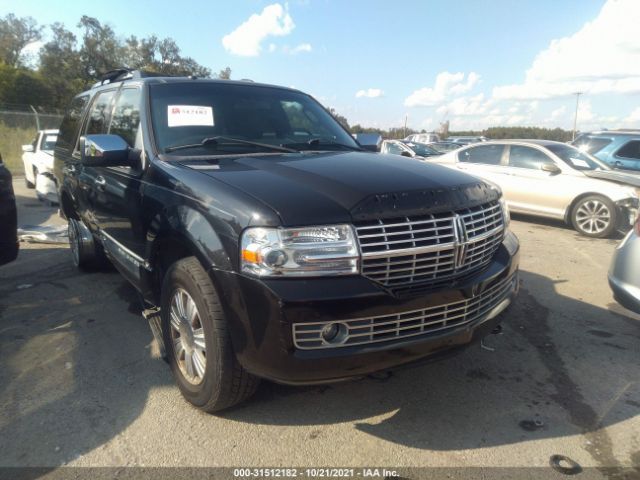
[405, 125]
[575, 118]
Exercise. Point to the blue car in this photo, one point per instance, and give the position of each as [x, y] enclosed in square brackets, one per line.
[618, 148]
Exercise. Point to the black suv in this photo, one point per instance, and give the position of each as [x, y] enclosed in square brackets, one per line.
[269, 242]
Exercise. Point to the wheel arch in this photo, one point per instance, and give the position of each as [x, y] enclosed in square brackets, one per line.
[182, 234]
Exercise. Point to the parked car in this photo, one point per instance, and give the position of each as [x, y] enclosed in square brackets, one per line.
[624, 276]
[618, 148]
[8, 217]
[408, 149]
[268, 253]
[37, 156]
[445, 147]
[467, 139]
[423, 138]
[556, 180]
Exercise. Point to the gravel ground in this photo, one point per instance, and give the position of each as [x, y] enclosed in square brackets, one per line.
[82, 383]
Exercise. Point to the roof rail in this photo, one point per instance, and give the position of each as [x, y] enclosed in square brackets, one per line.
[124, 73]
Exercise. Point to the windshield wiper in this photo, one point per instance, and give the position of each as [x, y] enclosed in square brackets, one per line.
[316, 142]
[222, 140]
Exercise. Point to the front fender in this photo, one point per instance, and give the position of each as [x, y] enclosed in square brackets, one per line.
[195, 231]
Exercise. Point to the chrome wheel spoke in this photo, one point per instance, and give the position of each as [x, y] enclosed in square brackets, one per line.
[593, 216]
[199, 363]
[188, 337]
[198, 338]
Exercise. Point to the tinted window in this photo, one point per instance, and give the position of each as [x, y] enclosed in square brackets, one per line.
[99, 114]
[630, 150]
[487, 154]
[591, 144]
[421, 149]
[187, 113]
[70, 123]
[527, 157]
[126, 115]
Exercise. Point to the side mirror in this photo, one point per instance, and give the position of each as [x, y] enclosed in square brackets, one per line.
[406, 154]
[552, 168]
[104, 151]
[27, 148]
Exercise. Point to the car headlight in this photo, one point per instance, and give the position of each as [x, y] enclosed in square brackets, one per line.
[305, 251]
[505, 212]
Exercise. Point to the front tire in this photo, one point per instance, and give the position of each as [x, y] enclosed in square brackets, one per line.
[197, 340]
[594, 216]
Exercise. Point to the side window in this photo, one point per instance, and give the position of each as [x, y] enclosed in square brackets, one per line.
[70, 123]
[99, 114]
[630, 150]
[486, 154]
[394, 149]
[527, 157]
[126, 115]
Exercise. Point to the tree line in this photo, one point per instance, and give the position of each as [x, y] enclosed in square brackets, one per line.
[66, 64]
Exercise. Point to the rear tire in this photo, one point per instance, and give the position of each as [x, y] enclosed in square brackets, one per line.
[197, 340]
[86, 253]
[594, 216]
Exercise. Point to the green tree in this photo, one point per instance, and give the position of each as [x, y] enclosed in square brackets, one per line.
[15, 34]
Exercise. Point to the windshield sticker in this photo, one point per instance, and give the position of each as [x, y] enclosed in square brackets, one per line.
[189, 116]
[577, 162]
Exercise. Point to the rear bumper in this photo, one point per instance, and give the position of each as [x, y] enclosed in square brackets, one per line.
[262, 315]
[626, 295]
[624, 277]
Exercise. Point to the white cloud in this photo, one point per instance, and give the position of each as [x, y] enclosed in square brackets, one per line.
[303, 47]
[246, 40]
[272, 47]
[447, 85]
[602, 57]
[634, 117]
[369, 93]
[465, 106]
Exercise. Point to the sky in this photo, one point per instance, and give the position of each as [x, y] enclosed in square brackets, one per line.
[476, 64]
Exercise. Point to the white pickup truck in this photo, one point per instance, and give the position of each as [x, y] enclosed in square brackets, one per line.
[37, 158]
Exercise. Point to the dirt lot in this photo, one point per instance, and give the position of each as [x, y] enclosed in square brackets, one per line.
[81, 382]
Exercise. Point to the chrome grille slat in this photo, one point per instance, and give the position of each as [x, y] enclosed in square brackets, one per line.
[391, 327]
[425, 249]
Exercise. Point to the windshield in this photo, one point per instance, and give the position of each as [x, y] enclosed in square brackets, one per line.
[421, 149]
[591, 144]
[49, 142]
[188, 115]
[577, 159]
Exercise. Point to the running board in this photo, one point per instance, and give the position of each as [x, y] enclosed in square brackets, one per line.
[152, 315]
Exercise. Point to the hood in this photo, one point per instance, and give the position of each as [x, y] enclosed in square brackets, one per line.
[615, 176]
[333, 187]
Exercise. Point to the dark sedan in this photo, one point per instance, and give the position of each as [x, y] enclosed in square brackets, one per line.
[8, 217]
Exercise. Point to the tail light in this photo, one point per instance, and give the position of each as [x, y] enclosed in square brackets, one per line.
[636, 226]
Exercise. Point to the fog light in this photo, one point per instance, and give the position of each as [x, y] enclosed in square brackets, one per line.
[334, 333]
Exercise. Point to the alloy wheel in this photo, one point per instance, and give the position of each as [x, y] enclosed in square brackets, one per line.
[187, 335]
[593, 216]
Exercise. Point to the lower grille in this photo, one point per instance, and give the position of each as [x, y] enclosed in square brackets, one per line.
[414, 323]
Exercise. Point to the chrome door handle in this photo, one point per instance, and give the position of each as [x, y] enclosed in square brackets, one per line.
[100, 182]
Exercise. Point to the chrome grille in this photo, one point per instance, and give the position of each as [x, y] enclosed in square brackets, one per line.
[413, 323]
[430, 248]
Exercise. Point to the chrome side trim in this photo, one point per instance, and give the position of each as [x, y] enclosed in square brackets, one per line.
[132, 257]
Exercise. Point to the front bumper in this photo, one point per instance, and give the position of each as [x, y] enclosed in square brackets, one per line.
[262, 315]
[624, 277]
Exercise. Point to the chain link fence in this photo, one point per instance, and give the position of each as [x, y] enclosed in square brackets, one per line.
[18, 126]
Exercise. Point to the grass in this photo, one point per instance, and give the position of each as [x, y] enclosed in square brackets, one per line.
[11, 141]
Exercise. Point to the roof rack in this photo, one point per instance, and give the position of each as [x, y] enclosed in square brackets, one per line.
[124, 73]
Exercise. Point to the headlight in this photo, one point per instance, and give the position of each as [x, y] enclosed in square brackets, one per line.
[505, 212]
[307, 251]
